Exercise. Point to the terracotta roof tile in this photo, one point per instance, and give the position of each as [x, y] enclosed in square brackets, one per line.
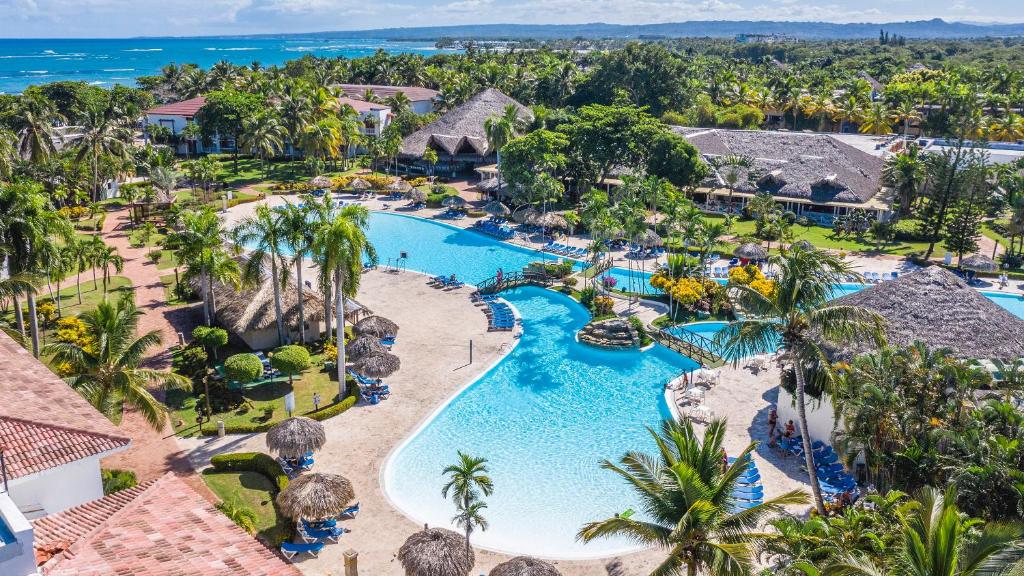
[43, 422]
[159, 528]
[186, 108]
[361, 106]
[414, 93]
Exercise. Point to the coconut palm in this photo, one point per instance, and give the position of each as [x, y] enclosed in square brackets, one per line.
[200, 247]
[8, 154]
[265, 232]
[687, 503]
[263, 137]
[340, 245]
[105, 369]
[797, 314]
[937, 540]
[734, 170]
[35, 118]
[1009, 127]
[849, 110]
[467, 483]
[105, 259]
[299, 236]
[500, 130]
[904, 113]
[905, 173]
[877, 120]
[104, 133]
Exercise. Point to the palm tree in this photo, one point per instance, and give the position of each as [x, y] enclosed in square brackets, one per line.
[797, 315]
[877, 120]
[106, 372]
[8, 154]
[849, 110]
[904, 113]
[937, 540]
[263, 137]
[467, 482]
[107, 258]
[734, 170]
[905, 173]
[103, 134]
[500, 130]
[687, 503]
[266, 234]
[1009, 127]
[200, 246]
[81, 259]
[165, 180]
[34, 120]
[340, 246]
[299, 236]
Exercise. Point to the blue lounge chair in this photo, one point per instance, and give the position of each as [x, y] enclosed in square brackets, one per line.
[290, 549]
[331, 533]
[351, 511]
[329, 523]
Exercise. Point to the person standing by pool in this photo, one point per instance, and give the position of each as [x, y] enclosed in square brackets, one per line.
[499, 276]
[773, 421]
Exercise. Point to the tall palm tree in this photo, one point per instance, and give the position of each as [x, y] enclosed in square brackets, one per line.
[905, 112]
[263, 137]
[107, 258]
[8, 154]
[905, 173]
[104, 133]
[340, 246]
[265, 233]
[937, 540]
[877, 120]
[467, 483]
[106, 371]
[299, 235]
[687, 503]
[200, 246]
[500, 130]
[734, 169]
[35, 118]
[797, 314]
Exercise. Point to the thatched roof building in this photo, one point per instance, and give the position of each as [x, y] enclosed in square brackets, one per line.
[524, 566]
[436, 552]
[316, 496]
[458, 136]
[938, 308]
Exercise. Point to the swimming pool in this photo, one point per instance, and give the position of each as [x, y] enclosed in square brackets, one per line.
[544, 417]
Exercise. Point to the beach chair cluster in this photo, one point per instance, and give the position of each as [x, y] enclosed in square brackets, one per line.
[640, 253]
[837, 485]
[295, 466]
[494, 228]
[499, 314]
[446, 282]
[452, 214]
[565, 250]
[316, 534]
[876, 277]
[371, 390]
[748, 491]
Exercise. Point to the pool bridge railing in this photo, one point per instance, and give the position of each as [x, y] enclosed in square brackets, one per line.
[691, 345]
[495, 284]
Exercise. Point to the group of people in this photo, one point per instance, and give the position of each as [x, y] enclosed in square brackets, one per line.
[788, 431]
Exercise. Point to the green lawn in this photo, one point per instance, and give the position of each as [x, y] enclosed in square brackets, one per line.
[988, 232]
[823, 237]
[251, 171]
[256, 492]
[171, 295]
[267, 396]
[68, 296]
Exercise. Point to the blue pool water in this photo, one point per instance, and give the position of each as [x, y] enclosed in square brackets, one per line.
[544, 417]
[6, 536]
[1014, 303]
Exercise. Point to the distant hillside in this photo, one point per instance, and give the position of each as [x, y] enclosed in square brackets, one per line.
[936, 28]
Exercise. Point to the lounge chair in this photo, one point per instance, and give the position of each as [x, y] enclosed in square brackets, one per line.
[330, 533]
[351, 511]
[329, 523]
[290, 549]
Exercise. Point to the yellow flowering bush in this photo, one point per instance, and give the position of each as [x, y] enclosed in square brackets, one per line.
[603, 305]
[330, 351]
[687, 291]
[72, 331]
[764, 286]
[46, 311]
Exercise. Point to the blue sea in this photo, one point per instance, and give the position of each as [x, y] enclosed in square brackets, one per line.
[105, 62]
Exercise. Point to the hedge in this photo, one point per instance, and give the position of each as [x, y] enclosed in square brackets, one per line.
[252, 462]
[351, 397]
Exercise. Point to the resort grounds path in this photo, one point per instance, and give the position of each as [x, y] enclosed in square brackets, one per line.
[152, 453]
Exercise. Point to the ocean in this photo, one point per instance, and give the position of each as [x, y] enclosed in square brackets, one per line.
[105, 62]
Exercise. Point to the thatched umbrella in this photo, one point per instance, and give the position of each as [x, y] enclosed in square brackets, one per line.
[417, 195]
[802, 245]
[489, 186]
[364, 346]
[293, 437]
[400, 186]
[526, 215]
[360, 184]
[316, 496]
[549, 220]
[454, 202]
[751, 251]
[650, 238]
[377, 365]
[378, 326]
[979, 263]
[320, 182]
[496, 208]
[524, 566]
[436, 552]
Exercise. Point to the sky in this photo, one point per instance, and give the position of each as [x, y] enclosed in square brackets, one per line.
[126, 18]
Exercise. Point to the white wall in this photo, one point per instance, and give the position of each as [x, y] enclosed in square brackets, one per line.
[17, 558]
[58, 488]
[820, 420]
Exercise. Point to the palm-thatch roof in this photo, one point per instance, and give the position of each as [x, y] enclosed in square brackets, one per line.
[751, 251]
[525, 215]
[490, 185]
[293, 437]
[650, 238]
[461, 130]
[496, 208]
[399, 185]
[979, 262]
[379, 365]
[549, 220]
[453, 201]
[320, 182]
[316, 496]
[359, 184]
[524, 566]
[378, 326]
[417, 195]
[802, 245]
[436, 552]
[364, 346]
[938, 308]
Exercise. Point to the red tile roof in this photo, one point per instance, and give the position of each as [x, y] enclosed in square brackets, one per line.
[186, 108]
[414, 93]
[361, 106]
[159, 528]
[43, 422]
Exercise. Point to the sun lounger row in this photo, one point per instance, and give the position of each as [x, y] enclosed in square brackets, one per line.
[493, 228]
[452, 214]
[446, 282]
[314, 534]
[564, 250]
[500, 316]
[880, 277]
[295, 466]
[748, 491]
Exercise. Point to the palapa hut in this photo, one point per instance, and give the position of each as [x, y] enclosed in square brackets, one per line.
[378, 326]
[454, 202]
[650, 238]
[524, 566]
[979, 263]
[316, 496]
[416, 195]
[364, 346]
[400, 186]
[751, 251]
[377, 365]
[436, 552]
[458, 137]
[359, 184]
[496, 208]
[320, 182]
[938, 308]
[548, 220]
[523, 215]
[293, 437]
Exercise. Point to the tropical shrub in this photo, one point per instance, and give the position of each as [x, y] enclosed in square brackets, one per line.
[242, 516]
[117, 480]
[290, 360]
[46, 311]
[210, 337]
[751, 275]
[154, 256]
[603, 305]
[641, 330]
[251, 462]
[587, 296]
[72, 331]
[192, 361]
[570, 281]
[243, 367]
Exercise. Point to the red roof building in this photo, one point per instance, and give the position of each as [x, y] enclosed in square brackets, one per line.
[413, 93]
[158, 528]
[186, 108]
